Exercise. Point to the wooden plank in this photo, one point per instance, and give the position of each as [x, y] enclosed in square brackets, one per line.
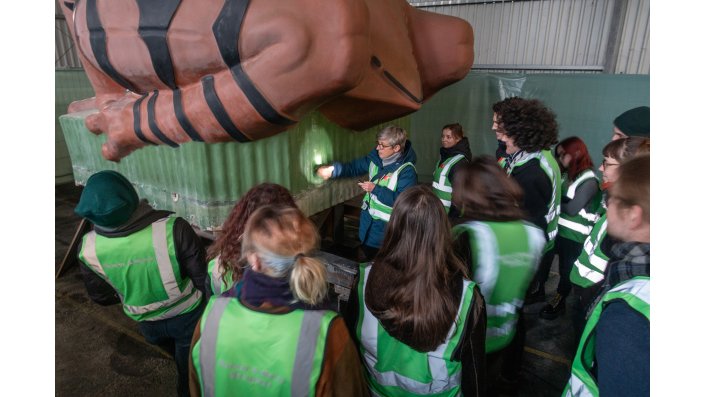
[71, 256]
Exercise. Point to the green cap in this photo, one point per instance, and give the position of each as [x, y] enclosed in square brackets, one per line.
[108, 200]
[634, 122]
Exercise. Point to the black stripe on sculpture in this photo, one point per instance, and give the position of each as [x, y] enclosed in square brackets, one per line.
[183, 119]
[99, 46]
[136, 120]
[155, 18]
[226, 30]
[151, 120]
[399, 85]
[218, 110]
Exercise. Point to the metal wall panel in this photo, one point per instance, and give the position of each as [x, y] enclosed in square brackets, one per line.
[553, 35]
[634, 53]
[65, 55]
[541, 35]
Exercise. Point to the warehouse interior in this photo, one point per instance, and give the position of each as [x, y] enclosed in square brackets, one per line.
[587, 60]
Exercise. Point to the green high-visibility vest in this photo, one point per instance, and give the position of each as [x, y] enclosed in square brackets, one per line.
[143, 270]
[442, 186]
[589, 268]
[215, 274]
[376, 208]
[505, 257]
[550, 167]
[395, 369]
[635, 292]
[577, 227]
[249, 353]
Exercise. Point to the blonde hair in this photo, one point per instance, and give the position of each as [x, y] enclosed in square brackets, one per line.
[284, 240]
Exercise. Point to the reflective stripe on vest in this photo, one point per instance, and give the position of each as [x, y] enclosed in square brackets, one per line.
[505, 256]
[635, 292]
[577, 227]
[550, 168]
[220, 376]
[377, 209]
[589, 268]
[587, 174]
[177, 301]
[582, 229]
[442, 186]
[445, 375]
[215, 273]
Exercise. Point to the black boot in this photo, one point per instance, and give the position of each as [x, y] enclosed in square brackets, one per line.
[535, 295]
[554, 308]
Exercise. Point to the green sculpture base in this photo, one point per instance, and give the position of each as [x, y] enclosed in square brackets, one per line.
[201, 182]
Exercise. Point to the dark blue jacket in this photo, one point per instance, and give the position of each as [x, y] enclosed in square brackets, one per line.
[371, 231]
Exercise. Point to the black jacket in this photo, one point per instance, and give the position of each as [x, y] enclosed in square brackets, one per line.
[190, 253]
[537, 191]
[462, 147]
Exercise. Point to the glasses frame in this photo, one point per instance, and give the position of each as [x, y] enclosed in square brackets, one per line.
[605, 164]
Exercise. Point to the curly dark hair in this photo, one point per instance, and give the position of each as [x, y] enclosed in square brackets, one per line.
[228, 245]
[529, 122]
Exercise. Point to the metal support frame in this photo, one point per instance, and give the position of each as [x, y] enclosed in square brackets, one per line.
[614, 38]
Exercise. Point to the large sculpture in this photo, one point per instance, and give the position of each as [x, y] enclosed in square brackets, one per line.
[172, 71]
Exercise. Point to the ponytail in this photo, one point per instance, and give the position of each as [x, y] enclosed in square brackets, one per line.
[283, 238]
[308, 280]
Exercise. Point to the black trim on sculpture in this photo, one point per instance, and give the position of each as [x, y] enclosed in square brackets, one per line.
[183, 119]
[136, 121]
[97, 39]
[226, 30]
[155, 18]
[399, 85]
[219, 111]
[151, 120]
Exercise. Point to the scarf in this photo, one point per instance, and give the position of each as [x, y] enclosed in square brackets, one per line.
[257, 289]
[515, 158]
[629, 260]
[391, 159]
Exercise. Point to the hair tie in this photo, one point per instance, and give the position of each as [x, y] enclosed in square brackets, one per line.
[299, 255]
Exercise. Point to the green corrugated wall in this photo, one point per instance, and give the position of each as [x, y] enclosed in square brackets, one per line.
[585, 106]
[69, 86]
[201, 182]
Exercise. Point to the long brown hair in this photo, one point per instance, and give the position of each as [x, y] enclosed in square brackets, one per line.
[418, 305]
[482, 192]
[228, 244]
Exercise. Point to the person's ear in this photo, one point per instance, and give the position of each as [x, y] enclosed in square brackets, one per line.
[254, 262]
[397, 148]
[635, 217]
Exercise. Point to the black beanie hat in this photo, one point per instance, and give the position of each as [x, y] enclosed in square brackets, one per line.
[634, 122]
[108, 200]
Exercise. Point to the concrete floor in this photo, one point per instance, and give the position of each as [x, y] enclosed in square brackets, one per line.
[100, 352]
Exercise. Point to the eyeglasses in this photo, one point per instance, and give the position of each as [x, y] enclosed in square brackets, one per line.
[383, 146]
[605, 164]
